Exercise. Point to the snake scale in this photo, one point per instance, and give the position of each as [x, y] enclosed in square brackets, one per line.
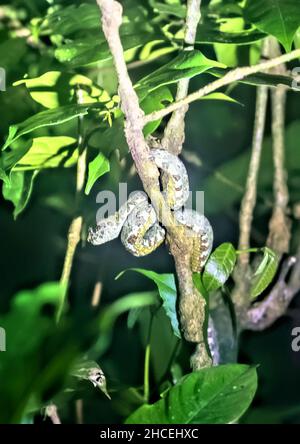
[136, 220]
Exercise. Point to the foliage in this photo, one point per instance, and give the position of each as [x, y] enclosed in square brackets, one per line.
[61, 97]
[211, 396]
[39, 353]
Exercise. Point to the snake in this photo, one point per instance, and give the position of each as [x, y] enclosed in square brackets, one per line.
[137, 222]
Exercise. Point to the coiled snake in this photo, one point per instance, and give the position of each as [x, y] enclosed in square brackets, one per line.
[137, 222]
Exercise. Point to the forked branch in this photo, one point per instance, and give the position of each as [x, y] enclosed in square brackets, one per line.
[192, 313]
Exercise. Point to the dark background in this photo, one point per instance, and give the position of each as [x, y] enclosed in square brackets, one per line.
[32, 247]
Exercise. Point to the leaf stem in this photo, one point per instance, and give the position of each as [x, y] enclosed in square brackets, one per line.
[147, 362]
[146, 373]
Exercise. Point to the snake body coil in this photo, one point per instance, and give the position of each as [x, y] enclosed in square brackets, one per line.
[137, 222]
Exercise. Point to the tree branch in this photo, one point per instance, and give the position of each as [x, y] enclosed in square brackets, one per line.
[191, 304]
[146, 168]
[174, 133]
[232, 76]
[263, 314]
[74, 233]
[249, 199]
[179, 240]
[280, 225]
[240, 294]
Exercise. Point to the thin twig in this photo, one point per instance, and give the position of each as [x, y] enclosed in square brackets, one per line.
[97, 294]
[79, 411]
[74, 233]
[174, 133]
[280, 225]
[179, 240]
[265, 313]
[249, 199]
[240, 294]
[232, 76]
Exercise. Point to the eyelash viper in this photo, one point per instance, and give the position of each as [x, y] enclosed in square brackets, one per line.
[137, 222]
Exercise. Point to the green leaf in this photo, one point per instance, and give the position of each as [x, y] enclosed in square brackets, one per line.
[209, 34]
[133, 317]
[219, 266]
[265, 272]
[167, 291]
[111, 139]
[175, 9]
[56, 88]
[154, 102]
[155, 49]
[50, 117]
[37, 86]
[3, 175]
[223, 22]
[38, 353]
[86, 17]
[111, 313]
[79, 25]
[228, 53]
[280, 18]
[220, 96]
[126, 303]
[73, 19]
[9, 158]
[82, 52]
[216, 395]
[19, 190]
[37, 154]
[89, 50]
[86, 49]
[186, 65]
[297, 39]
[47, 152]
[97, 167]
